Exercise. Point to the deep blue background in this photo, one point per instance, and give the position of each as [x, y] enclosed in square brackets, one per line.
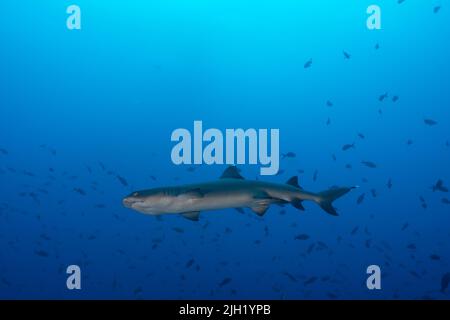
[113, 92]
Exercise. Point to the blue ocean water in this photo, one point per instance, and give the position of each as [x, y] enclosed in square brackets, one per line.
[81, 107]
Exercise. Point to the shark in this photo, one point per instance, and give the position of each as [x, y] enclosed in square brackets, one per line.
[232, 190]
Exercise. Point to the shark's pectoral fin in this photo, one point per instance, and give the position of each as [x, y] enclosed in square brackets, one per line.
[194, 215]
[262, 201]
[298, 204]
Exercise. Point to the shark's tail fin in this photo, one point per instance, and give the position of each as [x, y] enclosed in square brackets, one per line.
[325, 198]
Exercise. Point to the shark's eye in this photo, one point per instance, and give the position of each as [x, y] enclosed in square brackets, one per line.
[135, 194]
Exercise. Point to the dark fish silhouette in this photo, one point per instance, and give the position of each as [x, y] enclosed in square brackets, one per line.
[369, 164]
[374, 193]
[80, 191]
[179, 230]
[347, 146]
[439, 186]
[316, 173]
[42, 253]
[354, 231]
[361, 136]
[435, 257]
[409, 142]
[290, 276]
[329, 103]
[382, 97]
[307, 64]
[346, 55]
[445, 281]
[333, 156]
[190, 263]
[3, 151]
[302, 236]
[400, 1]
[224, 282]
[288, 155]
[445, 201]
[389, 183]
[328, 121]
[395, 98]
[360, 198]
[412, 246]
[405, 226]
[430, 122]
[436, 9]
[377, 46]
[122, 180]
[310, 280]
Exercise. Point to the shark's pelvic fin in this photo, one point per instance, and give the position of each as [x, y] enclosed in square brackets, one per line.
[260, 209]
[231, 173]
[194, 215]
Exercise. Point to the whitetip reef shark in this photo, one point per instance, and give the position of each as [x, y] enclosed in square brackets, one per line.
[230, 191]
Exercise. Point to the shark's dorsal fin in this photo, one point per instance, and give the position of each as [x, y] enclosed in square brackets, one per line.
[293, 181]
[194, 215]
[231, 173]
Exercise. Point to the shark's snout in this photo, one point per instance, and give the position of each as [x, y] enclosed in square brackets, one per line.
[128, 202]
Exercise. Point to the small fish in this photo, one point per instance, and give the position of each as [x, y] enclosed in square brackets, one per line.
[328, 121]
[315, 175]
[400, 1]
[308, 64]
[348, 146]
[190, 263]
[382, 97]
[436, 9]
[395, 98]
[369, 164]
[439, 186]
[377, 46]
[348, 166]
[224, 282]
[374, 193]
[290, 276]
[153, 178]
[360, 199]
[122, 180]
[42, 253]
[179, 230]
[409, 142]
[435, 257]
[80, 191]
[310, 280]
[288, 155]
[445, 201]
[361, 136]
[412, 246]
[329, 103]
[355, 229]
[346, 55]
[302, 236]
[430, 122]
[333, 156]
[445, 281]
[405, 226]
[99, 206]
[3, 151]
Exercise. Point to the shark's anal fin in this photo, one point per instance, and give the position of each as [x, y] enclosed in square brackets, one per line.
[231, 173]
[194, 215]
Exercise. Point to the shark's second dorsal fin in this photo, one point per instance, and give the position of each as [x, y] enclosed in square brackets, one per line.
[231, 173]
[293, 182]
